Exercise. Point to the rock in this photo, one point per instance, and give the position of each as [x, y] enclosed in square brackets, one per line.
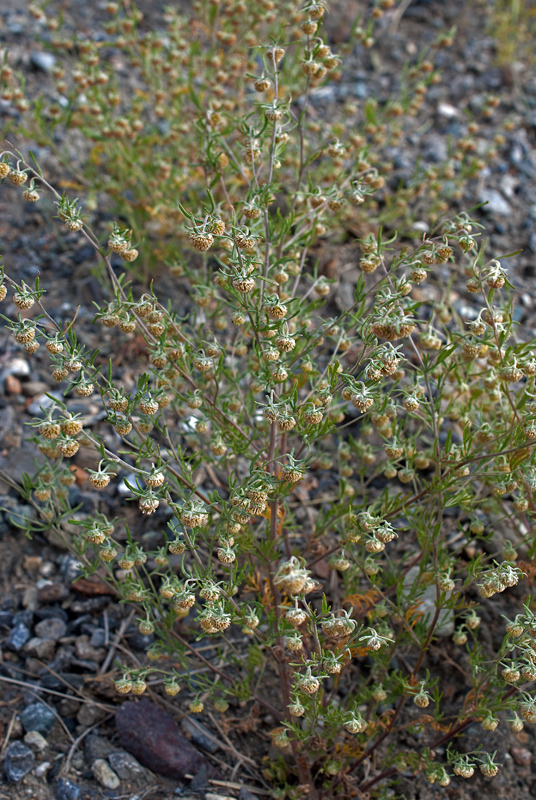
[66, 790]
[361, 90]
[199, 783]
[12, 385]
[85, 651]
[98, 637]
[47, 569]
[32, 563]
[199, 734]
[41, 403]
[52, 628]
[42, 61]
[52, 592]
[245, 794]
[105, 775]
[153, 737]
[97, 748]
[37, 717]
[17, 515]
[447, 110]
[92, 587]
[42, 769]
[19, 761]
[126, 766]
[140, 641]
[41, 648]
[212, 796]
[18, 367]
[25, 458]
[521, 755]
[6, 619]
[35, 739]
[52, 611]
[496, 204]
[26, 616]
[89, 714]
[34, 388]
[435, 148]
[71, 567]
[18, 637]
[88, 457]
[10, 431]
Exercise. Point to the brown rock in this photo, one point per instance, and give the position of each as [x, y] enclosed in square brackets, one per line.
[152, 736]
[85, 651]
[32, 563]
[87, 457]
[13, 385]
[52, 592]
[521, 756]
[92, 586]
[321, 569]
[35, 388]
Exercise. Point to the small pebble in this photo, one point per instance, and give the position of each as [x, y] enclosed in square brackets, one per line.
[521, 755]
[105, 775]
[18, 367]
[18, 762]
[42, 61]
[245, 794]
[18, 637]
[52, 628]
[199, 735]
[126, 766]
[66, 790]
[36, 739]
[37, 717]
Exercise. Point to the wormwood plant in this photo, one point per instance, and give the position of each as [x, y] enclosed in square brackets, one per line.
[419, 424]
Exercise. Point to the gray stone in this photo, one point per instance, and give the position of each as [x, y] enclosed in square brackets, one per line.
[18, 367]
[43, 61]
[71, 567]
[41, 403]
[98, 637]
[18, 515]
[34, 388]
[66, 790]
[19, 761]
[361, 90]
[496, 204]
[37, 717]
[245, 794]
[53, 628]
[105, 775]
[199, 734]
[435, 148]
[19, 460]
[89, 714]
[18, 637]
[96, 748]
[126, 766]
